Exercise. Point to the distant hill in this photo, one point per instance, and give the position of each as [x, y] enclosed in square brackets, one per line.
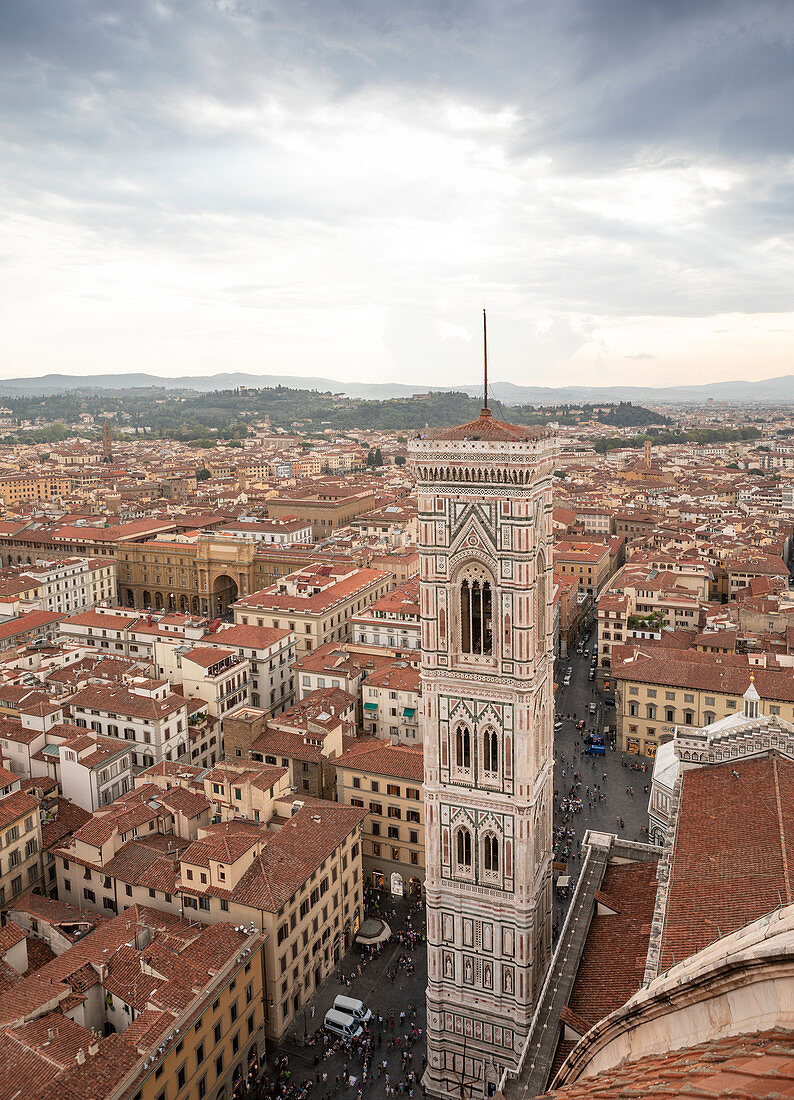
[769, 390]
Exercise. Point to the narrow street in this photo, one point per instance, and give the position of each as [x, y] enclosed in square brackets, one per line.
[613, 779]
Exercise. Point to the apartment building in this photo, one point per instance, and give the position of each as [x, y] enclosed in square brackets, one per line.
[393, 622]
[15, 488]
[271, 654]
[245, 790]
[108, 630]
[316, 603]
[391, 703]
[296, 877]
[307, 738]
[144, 1006]
[387, 781]
[589, 562]
[333, 505]
[20, 845]
[743, 569]
[271, 532]
[142, 711]
[30, 626]
[613, 622]
[659, 690]
[90, 770]
[70, 585]
[218, 677]
[347, 666]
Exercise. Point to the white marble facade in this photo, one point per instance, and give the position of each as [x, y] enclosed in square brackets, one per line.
[487, 699]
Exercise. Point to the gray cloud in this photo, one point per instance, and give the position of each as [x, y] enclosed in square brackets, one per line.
[574, 161]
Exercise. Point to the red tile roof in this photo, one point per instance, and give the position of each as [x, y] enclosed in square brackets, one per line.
[486, 428]
[727, 673]
[613, 962]
[743, 1066]
[734, 852]
[14, 806]
[248, 637]
[373, 755]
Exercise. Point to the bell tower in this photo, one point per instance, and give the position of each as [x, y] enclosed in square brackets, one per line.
[484, 496]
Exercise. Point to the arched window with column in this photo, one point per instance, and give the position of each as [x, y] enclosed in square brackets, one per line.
[540, 602]
[490, 750]
[490, 855]
[462, 747]
[475, 610]
[463, 849]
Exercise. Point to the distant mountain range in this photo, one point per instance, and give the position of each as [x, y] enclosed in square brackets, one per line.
[768, 391]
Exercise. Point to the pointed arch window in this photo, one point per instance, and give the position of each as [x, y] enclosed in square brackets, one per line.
[490, 855]
[475, 609]
[463, 849]
[463, 747]
[490, 750]
[540, 601]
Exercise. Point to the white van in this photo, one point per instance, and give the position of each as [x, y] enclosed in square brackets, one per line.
[341, 1023]
[357, 1009]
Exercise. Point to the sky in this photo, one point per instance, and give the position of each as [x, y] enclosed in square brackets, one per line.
[336, 188]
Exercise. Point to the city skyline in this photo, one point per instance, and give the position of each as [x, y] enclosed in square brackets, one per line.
[325, 190]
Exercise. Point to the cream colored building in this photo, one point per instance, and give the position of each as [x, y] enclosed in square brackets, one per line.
[388, 782]
[20, 853]
[296, 877]
[317, 603]
[658, 691]
[391, 702]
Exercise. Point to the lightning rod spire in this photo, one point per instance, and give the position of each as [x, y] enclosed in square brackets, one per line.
[484, 364]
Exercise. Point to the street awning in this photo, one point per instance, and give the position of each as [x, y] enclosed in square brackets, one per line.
[370, 706]
[409, 712]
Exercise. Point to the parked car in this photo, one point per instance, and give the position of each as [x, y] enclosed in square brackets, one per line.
[342, 1024]
[352, 1006]
[595, 750]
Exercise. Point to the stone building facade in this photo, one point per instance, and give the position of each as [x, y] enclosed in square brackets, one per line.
[484, 494]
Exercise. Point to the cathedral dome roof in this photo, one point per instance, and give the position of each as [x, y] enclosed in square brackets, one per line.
[487, 429]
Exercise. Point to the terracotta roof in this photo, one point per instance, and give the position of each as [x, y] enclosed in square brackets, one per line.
[16, 805]
[141, 864]
[67, 819]
[373, 755]
[306, 602]
[30, 620]
[296, 850]
[275, 742]
[744, 1066]
[726, 673]
[119, 700]
[613, 962]
[733, 854]
[248, 637]
[486, 428]
[10, 936]
[207, 656]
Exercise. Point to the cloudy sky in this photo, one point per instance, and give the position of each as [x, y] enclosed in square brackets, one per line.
[337, 187]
